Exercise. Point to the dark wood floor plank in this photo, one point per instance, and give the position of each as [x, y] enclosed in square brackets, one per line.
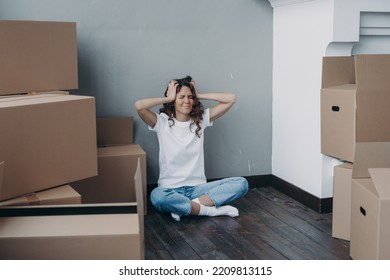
[179, 249]
[271, 225]
[225, 242]
[200, 243]
[281, 227]
[249, 218]
[154, 250]
[231, 241]
[222, 238]
[237, 238]
[321, 221]
[332, 245]
[248, 241]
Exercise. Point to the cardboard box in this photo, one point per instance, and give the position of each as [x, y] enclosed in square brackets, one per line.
[37, 56]
[341, 215]
[367, 199]
[46, 141]
[74, 237]
[58, 195]
[116, 157]
[370, 155]
[114, 131]
[114, 182]
[1, 174]
[338, 121]
[354, 103]
[76, 232]
[370, 224]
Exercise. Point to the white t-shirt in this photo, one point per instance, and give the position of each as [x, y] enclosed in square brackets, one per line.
[181, 158]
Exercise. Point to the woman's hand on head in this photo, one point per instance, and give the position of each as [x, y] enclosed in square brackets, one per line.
[195, 88]
[171, 93]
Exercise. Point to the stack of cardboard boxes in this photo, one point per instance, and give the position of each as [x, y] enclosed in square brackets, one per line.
[355, 128]
[117, 159]
[49, 155]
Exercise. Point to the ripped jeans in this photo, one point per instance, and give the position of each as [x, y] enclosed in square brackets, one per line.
[178, 200]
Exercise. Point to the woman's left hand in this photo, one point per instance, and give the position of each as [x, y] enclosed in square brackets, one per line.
[195, 88]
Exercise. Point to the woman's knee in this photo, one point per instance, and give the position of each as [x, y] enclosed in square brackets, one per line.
[157, 197]
[242, 185]
[168, 200]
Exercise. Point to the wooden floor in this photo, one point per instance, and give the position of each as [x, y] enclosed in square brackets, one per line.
[271, 226]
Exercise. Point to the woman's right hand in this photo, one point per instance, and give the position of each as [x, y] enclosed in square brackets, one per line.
[171, 93]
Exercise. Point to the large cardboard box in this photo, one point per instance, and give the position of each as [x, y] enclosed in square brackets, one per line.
[74, 237]
[338, 126]
[58, 195]
[116, 162]
[46, 141]
[368, 195]
[37, 56]
[370, 224]
[355, 98]
[75, 232]
[371, 154]
[341, 214]
[114, 182]
[114, 131]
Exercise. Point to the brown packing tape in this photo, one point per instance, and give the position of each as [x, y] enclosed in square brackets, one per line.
[64, 194]
[33, 199]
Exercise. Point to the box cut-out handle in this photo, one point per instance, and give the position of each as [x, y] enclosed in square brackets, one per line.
[335, 108]
[363, 211]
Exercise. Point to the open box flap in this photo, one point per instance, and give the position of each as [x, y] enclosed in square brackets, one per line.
[372, 98]
[338, 70]
[381, 180]
[370, 155]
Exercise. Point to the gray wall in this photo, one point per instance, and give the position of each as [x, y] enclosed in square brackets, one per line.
[130, 49]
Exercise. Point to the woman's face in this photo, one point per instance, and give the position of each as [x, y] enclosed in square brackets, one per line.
[183, 104]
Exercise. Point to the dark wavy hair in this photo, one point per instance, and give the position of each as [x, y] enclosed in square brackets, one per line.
[197, 111]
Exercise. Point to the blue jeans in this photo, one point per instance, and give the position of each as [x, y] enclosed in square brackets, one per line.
[178, 200]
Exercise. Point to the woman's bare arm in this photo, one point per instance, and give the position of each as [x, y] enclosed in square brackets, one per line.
[143, 106]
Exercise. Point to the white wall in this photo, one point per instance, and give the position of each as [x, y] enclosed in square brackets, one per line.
[304, 32]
